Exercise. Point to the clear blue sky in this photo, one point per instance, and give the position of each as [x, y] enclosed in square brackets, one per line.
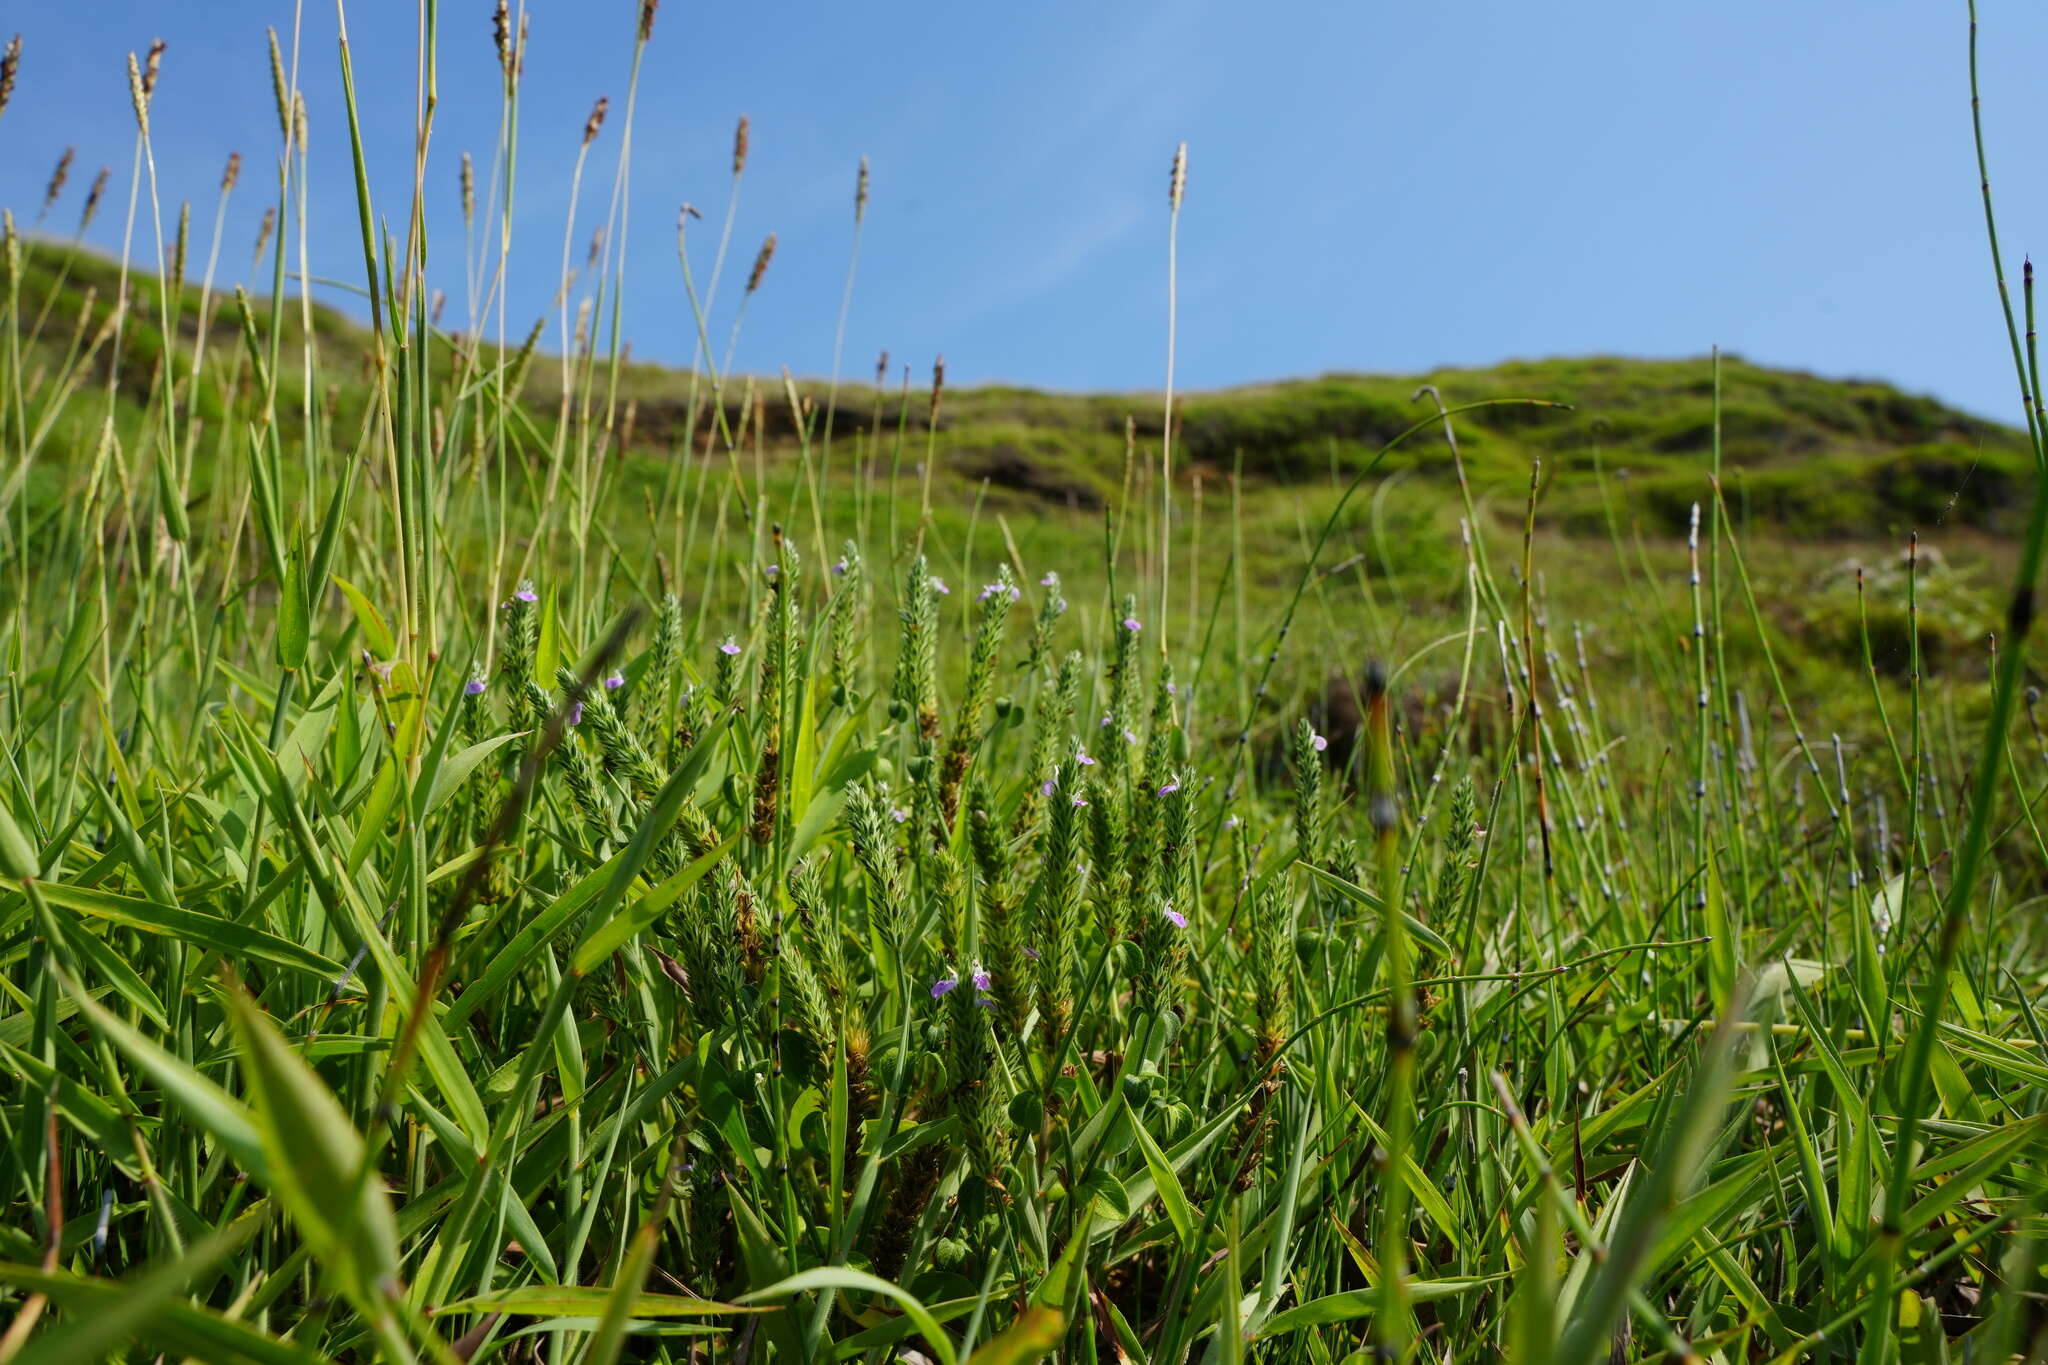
[1372, 186]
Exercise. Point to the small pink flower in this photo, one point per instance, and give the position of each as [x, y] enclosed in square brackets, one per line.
[898, 814]
[731, 646]
[614, 681]
[939, 586]
[1081, 757]
[1318, 743]
[525, 592]
[981, 978]
[474, 687]
[1080, 800]
[1169, 789]
[575, 713]
[1132, 625]
[1178, 920]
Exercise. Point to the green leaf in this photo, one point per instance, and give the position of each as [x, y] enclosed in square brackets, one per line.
[610, 936]
[293, 626]
[1033, 1336]
[137, 1305]
[1353, 1304]
[456, 768]
[588, 1300]
[1358, 895]
[839, 1277]
[218, 1112]
[17, 854]
[209, 932]
[180, 1327]
[376, 630]
[317, 1160]
[1167, 1184]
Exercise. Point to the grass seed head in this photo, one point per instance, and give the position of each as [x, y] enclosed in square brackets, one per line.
[57, 178]
[761, 259]
[10, 67]
[93, 196]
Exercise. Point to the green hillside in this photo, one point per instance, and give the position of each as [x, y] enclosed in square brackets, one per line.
[1809, 457]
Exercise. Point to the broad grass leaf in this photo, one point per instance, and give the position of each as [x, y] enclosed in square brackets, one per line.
[317, 1158]
[376, 630]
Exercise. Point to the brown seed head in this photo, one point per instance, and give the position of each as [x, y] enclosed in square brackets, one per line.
[10, 63]
[1178, 182]
[92, 199]
[647, 8]
[596, 120]
[860, 193]
[232, 173]
[501, 35]
[596, 248]
[184, 242]
[150, 68]
[766, 255]
[468, 191]
[519, 52]
[57, 179]
[264, 230]
[882, 369]
[440, 302]
[299, 119]
[739, 146]
[938, 387]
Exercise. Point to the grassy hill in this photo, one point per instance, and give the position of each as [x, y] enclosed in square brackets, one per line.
[1809, 457]
[1824, 478]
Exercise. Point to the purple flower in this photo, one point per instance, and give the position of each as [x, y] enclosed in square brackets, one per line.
[1060, 606]
[1169, 789]
[1081, 757]
[1045, 787]
[1051, 580]
[614, 681]
[1179, 920]
[730, 646]
[981, 978]
[474, 687]
[1080, 800]
[575, 713]
[939, 586]
[1131, 624]
[1102, 724]
[898, 814]
[526, 592]
[996, 589]
[1231, 823]
[1319, 743]
[772, 570]
[1031, 953]
[1130, 738]
[982, 1002]
[839, 566]
[944, 984]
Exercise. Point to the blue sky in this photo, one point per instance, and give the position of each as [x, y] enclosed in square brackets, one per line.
[1372, 186]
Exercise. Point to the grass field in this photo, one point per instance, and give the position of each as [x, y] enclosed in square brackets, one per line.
[509, 854]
